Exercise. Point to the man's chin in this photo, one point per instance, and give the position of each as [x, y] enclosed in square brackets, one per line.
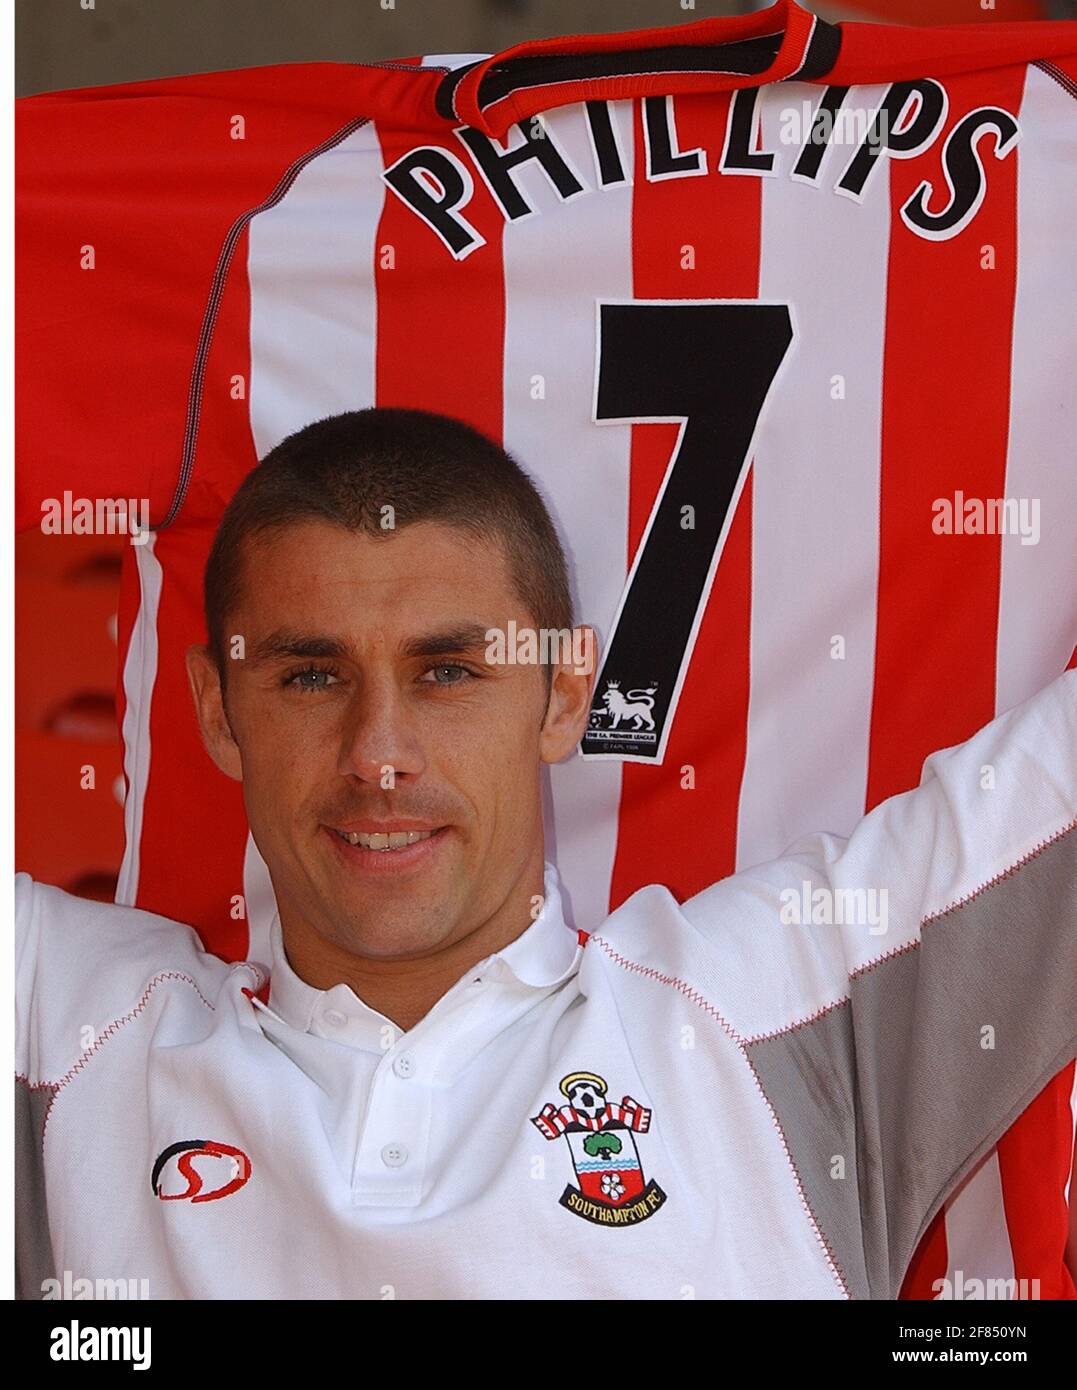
[386, 922]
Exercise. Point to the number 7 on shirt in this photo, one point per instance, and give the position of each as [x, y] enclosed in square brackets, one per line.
[712, 365]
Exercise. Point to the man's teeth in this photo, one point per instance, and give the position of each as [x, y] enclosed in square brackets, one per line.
[397, 840]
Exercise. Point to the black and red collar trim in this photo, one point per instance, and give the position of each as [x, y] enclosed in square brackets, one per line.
[774, 45]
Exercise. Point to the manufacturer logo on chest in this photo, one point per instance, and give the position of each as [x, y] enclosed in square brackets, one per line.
[225, 1170]
[601, 1138]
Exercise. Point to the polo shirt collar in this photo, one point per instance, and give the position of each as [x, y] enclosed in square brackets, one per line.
[541, 957]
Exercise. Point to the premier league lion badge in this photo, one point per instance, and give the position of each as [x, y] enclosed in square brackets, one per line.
[601, 1140]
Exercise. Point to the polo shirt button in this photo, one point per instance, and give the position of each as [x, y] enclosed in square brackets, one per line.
[404, 1065]
[394, 1155]
[335, 1018]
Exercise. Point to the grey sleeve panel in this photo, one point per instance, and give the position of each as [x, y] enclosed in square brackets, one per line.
[904, 1083]
[33, 1247]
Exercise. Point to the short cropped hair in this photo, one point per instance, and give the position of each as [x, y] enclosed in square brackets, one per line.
[347, 469]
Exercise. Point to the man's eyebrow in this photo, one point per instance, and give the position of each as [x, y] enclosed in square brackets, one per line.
[284, 643]
[465, 638]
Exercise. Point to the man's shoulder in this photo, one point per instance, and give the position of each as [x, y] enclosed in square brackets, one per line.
[83, 929]
[653, 931]
[724, 949]
[80, 962]
[654, 920]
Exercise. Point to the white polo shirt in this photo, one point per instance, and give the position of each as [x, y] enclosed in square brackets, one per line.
[400, 1130]
[764, 1092]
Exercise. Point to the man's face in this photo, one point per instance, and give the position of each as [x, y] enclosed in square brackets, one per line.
[364, 706]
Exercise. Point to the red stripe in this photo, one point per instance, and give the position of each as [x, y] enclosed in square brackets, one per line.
[946, 385]
[1034, 1158]
[194, 829]
[719, 218]
[440, 322]
[930, 1263]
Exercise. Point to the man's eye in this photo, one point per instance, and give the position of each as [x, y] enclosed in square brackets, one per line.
[313, 678]
[447, 674]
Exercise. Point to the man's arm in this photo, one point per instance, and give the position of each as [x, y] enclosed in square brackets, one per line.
[82, 971]
[33, 1249]
[902, 995]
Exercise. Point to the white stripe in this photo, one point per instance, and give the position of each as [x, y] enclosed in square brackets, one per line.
[1038, 597]
[451, 60]
[977, 1241]
[139, 677]
[557, 264]
[815, 501]
[313, 322]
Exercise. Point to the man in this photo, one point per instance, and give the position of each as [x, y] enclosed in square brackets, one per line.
[445, 1092]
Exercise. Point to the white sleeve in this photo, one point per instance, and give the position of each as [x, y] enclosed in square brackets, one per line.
[81, 968]
[33, 1248]
[27, 939]
[902, 995]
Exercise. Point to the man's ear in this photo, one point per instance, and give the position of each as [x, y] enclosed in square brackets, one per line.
[570, 698]
[205, 682]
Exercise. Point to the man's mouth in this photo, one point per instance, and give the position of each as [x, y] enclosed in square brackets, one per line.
[386, 841]
[398, 846]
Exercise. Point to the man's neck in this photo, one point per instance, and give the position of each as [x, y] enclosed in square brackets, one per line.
[405, 990]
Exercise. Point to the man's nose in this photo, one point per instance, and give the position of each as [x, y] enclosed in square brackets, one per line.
[378, 743]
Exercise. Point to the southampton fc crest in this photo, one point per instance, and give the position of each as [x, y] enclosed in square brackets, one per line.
[601, 1139]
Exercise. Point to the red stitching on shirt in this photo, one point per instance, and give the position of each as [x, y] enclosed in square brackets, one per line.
[1004, 874]
[678, 984]
[821, 1012]
[896, 951]
[825, 1009]
[828, 1254]
[683, 988]
[109, 1032]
